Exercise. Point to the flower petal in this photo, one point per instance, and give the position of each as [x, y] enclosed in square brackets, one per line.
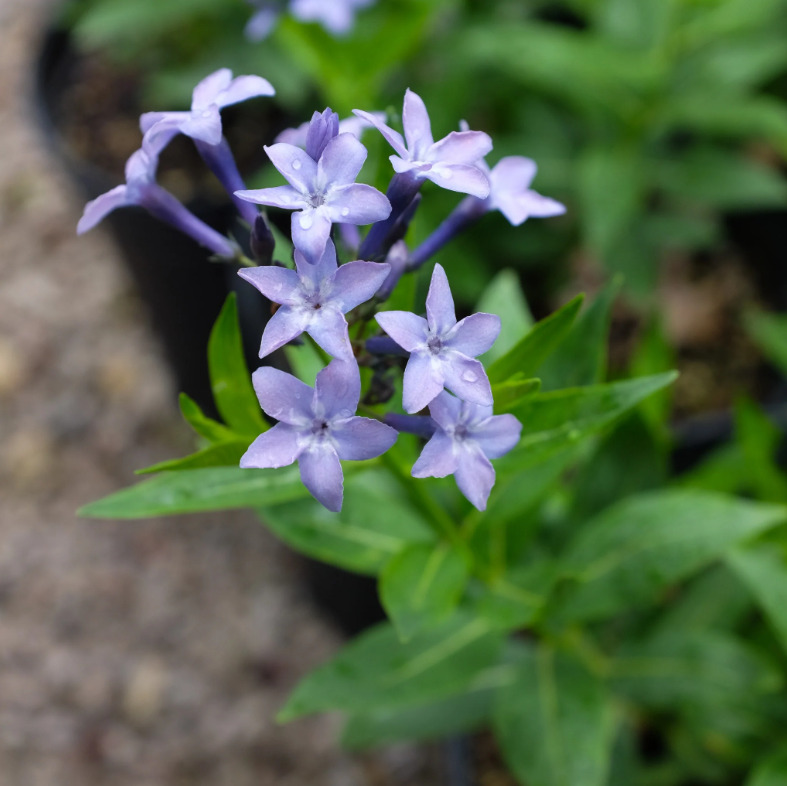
[277, 283]
[407, 330]
[466, 378]
[205, 126]
[285, 325]
[463, 178]
[321, 473]
[341, 161]
[242, 88]
[328, 328]
[440, 312]
[357, 203]
[473, 335]
[394, 138]
[206, 91]
[474, 474]
[512, 174]
[417, 128]
[310, 231]
[356, 282]
[461, 147]
[437, 459]
[446, 411]
[282, 396]
[97, 208]
[498, 435]
[337, 390]
[423, 381]
[297, 166]
[362, 438]
[285, 197]
[314, 275]
[277, 447]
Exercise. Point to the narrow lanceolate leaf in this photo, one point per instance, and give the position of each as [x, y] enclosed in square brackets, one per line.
[206, 427]
[421, 586]
[763, 569]
[509, 394]
[375, 523]
[527, 355]
[556, 420]
[196, 490]
[223, 454]
[229, 377]
[504, 297]
[555, 724]
[378, 672]
[632, 551]
[581, 359]
[435, 720]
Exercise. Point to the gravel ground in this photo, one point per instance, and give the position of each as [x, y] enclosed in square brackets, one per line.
[139, 653]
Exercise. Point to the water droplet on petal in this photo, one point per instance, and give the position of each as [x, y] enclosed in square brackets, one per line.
[345, 211]
[470, 376]
[306, 221]
[296, 164]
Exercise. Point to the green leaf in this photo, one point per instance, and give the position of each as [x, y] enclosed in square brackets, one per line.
[377, 671]
[641, 25]
[375, 523]
[197, 490]
[628, 554]
[503, 296]
[581, 359]
[611, 185]
[527, 355]
[719, 685]
[455, 715]
[555, 724]
[770, 772]
[229, 377]
[723, 179]
[763, 569]
[769, 332]
[557, 420]
[223, 454]
[509, 394]
[421, 585]
[206, 427]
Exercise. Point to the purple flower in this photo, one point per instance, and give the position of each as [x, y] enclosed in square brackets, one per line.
[315, 299]
[466, 437]
[451, 162]
[317, 428]
[510, 191]
[350, 125]
[336, 16]
[203, 120]
[442, 349]
[141, 189]
[323, 192]
[262, 22]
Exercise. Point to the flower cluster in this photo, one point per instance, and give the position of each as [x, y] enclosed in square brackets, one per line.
[319, 427]
[336, 16]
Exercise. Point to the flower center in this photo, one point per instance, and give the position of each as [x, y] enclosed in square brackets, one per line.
[435, 344]
[317, 200]
[320, 428]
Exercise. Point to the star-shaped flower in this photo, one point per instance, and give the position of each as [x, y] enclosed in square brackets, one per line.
[203, 120]
[317, 428]
[323, 192]
[442, 349]
[314, 299]
[451, 162]
[510, 191]
[141, 189]
[466, 437]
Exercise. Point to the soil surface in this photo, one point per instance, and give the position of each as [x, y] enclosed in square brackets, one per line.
[150, 653]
